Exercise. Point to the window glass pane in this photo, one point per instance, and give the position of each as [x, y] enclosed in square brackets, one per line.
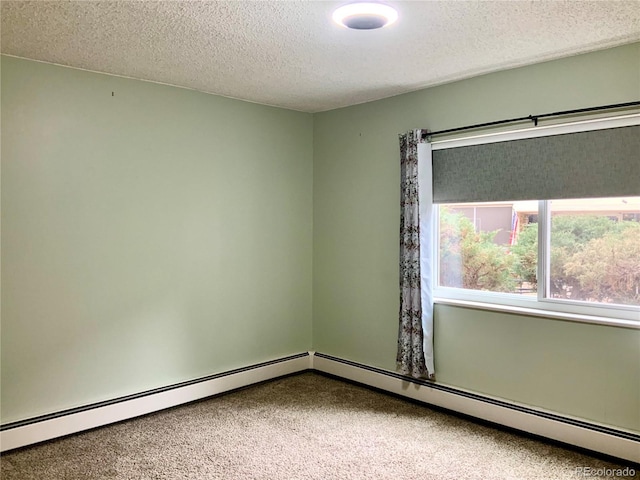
[489, 246]
[595, 250]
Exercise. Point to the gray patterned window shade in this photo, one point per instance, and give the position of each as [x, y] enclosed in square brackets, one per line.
[599, 163]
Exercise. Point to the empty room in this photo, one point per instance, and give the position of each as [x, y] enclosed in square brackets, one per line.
[319, 239]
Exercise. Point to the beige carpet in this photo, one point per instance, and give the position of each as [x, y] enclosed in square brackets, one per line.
[301, 427]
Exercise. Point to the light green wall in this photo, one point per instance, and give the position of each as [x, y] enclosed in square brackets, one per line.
[588, 371]
[161, 234]
[583, 370]
[149, 237]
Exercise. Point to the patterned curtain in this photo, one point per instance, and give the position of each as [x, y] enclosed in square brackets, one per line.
[416, 306]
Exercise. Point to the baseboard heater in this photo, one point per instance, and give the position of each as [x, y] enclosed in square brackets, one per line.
[46, 427]
[591, 436]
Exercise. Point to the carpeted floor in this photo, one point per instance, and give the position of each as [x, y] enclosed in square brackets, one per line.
[301, 427]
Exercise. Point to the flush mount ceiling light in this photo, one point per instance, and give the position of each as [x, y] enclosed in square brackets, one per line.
[365, 15]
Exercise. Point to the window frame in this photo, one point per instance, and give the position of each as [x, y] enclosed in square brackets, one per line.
[540, 305]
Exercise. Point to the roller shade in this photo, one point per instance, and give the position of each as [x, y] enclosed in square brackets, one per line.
[597, 163]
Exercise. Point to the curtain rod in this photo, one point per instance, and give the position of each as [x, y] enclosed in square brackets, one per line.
[533, 118]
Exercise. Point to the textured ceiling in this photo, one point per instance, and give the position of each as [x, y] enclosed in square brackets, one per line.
[290, 54]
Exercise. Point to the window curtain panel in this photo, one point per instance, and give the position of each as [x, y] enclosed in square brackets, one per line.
[415, 332]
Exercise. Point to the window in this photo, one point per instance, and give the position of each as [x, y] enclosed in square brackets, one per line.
[545, 218]
[583, 252]
[594, 252]
[488, 247]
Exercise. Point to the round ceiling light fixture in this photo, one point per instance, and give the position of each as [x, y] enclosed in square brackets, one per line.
[365, 15]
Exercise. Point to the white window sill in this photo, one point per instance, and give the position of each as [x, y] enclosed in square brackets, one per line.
[534, 312]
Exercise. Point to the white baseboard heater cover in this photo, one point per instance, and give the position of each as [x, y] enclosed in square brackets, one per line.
[598, 438]
[46, 427]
